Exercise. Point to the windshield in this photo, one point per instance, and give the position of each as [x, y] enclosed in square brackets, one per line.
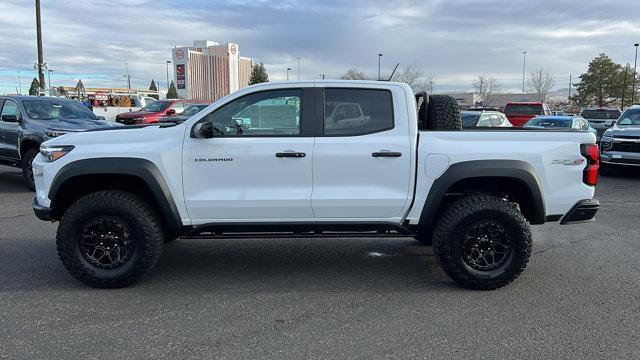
[469, 119]
[57, 109]
[550, 123]
[525, 109]
[156, 106]
[630, 118]
[600, 114]
[193, 109]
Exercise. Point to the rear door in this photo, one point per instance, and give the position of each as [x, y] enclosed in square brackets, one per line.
[361, 164]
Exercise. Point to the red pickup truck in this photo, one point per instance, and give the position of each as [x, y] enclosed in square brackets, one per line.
[519, 113]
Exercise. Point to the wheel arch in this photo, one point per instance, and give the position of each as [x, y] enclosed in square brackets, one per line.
[140, 176]
[29, 142]
[515, 177]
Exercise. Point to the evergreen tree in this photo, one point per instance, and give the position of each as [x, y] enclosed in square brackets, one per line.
[172, 93]
[602, 84]
[152, 86]
[34, 89]
[258, 74]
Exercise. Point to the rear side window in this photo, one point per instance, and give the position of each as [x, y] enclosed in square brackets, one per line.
[357, 111]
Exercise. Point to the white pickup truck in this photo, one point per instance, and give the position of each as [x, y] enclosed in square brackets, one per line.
[408, 170]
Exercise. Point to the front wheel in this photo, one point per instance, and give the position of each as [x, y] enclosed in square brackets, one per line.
[109, 239]
[482, 242]
[27, 168]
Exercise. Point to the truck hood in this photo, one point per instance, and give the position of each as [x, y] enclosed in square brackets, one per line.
[119, 135]
[77, 124]
[633, 131]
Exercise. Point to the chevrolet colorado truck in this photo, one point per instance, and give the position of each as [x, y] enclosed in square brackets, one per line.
[404, 170]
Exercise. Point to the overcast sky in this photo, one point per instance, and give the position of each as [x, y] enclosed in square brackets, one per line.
[452, 40]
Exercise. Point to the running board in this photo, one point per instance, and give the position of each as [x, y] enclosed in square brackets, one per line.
[298, 230]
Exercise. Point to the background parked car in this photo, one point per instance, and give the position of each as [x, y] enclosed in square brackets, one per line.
[601, 119]
[28, 121]
[620, 144]
[152, 112]
[519, 113]
[472, 119]
[559, 122]
[187, 113]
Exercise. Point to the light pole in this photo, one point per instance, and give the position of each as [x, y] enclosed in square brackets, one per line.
[298, 68]
[126, 75]
[635, 63]
[49, 78]
[168, 62]
[288, 69]
[19, 83]
[524, 65]
[379, 57]
[322, 76]
[39, 41]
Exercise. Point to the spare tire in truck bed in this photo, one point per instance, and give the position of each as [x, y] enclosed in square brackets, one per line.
[443, 113]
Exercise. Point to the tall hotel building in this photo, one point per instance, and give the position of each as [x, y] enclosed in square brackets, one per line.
[209, 71]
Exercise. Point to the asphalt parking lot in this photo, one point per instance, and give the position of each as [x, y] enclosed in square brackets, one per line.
[327, 298]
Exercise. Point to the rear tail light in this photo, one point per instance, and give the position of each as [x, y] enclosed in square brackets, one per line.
[590, 173]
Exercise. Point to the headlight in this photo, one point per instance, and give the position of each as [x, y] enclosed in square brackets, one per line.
[53, 153]
[54, 133]
[606, 143]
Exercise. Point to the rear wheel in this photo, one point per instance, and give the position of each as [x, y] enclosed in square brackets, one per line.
[109, 239]
[27, 167]
[482, 242]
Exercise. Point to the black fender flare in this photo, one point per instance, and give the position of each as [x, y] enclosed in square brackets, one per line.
[143, 169]
[514, 169]
[30, 137]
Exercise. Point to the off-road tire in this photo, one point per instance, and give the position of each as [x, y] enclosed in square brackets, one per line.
[146, 233]
[451, 231]
[27, 169]
[443, 113]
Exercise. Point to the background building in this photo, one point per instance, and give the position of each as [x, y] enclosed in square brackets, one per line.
[209, 71]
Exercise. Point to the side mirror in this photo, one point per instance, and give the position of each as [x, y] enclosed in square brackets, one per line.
[170, 112]
[10, 118]
[101, 118]
[203, 130]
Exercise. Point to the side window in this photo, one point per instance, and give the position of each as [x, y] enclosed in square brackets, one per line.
[10, 108]
[357, 111]
[267, 113]
[485, 120]
[178, 106]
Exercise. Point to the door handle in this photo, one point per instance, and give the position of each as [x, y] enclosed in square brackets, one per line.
[386, 153]
[290, 154]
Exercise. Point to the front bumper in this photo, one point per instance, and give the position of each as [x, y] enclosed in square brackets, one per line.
[582, 211]
[620, 158]
[42, 212]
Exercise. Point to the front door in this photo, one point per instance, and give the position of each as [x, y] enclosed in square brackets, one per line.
[362, 156]
[258, 165]
[9, 130]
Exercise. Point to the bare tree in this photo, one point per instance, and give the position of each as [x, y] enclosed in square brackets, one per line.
[354, 74]
[540, 83]
[414, 76]
[487, 86]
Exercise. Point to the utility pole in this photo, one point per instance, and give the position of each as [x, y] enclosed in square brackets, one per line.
[39, 39]
[288, 69]
[569, 98]
[379, 57]
[19, 83]
[524, 66]
[635, 77]
[298, 68]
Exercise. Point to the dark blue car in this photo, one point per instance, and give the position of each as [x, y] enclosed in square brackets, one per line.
[28, 121]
